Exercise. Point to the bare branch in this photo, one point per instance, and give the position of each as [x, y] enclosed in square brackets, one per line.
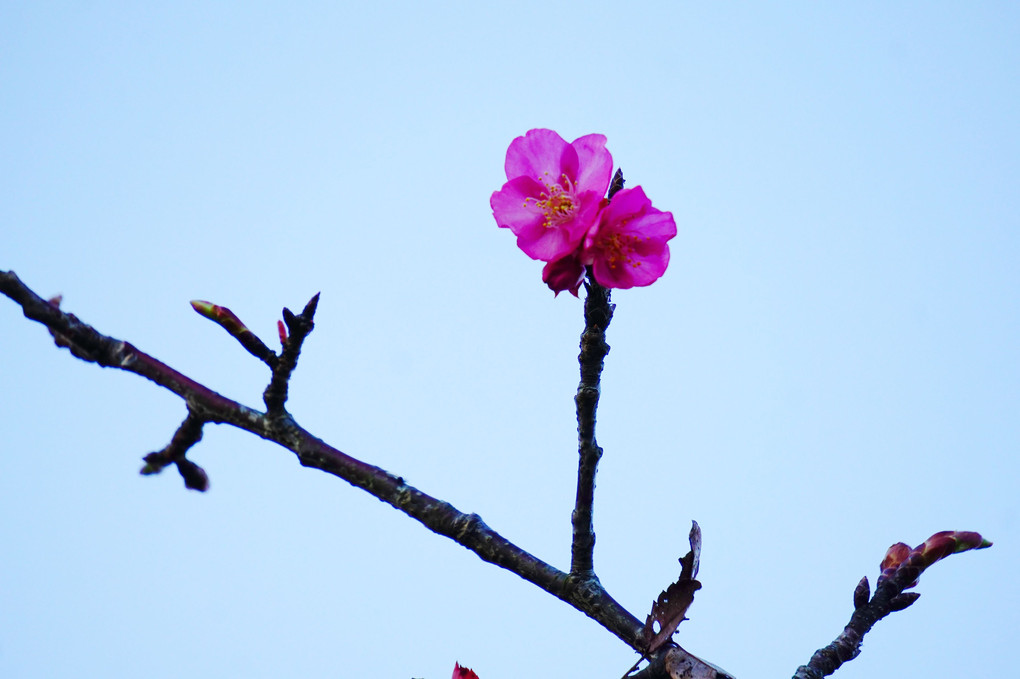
[205, 405]
[186, 436]
[580, 588]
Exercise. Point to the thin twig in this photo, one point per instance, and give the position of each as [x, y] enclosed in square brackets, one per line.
[229, 321]
[275, 395]
[889, 598]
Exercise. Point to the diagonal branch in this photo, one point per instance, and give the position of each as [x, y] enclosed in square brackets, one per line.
[901, 568]
[847, 645]
[206, 405]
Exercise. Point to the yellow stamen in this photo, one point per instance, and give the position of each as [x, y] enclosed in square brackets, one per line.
[558, 202]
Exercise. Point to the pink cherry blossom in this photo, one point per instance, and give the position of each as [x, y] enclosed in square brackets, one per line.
[627, 247]
[553, 191]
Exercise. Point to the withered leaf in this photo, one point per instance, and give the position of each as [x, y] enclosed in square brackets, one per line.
[670, 608]
[682, 665]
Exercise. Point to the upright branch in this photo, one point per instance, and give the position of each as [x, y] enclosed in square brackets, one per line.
[298, 328]
[598, 312]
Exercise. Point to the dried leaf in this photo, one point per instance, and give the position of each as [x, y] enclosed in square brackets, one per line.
[670, 608]
[682, 665]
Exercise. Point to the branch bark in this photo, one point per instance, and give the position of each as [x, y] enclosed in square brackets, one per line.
[580, 587]
[598, 313]
[277, 425]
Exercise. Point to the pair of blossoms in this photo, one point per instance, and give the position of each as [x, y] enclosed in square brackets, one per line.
[553, 201]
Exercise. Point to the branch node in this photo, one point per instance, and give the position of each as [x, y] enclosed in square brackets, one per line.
[467, 525]
[299, 327]
[175, 453]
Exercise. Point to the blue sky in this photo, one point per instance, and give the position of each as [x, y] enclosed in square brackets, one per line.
[828, 367]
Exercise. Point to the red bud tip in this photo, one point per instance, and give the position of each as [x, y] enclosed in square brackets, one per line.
[895, 555]
[282, 330]
[947, 542]
[221, 315]
[56, 300]
[894, 558]
[937, 547]
[463, 672]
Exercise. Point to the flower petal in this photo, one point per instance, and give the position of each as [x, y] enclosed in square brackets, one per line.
[512, 207]
[463, 672]
[596, 163]
[515, 208]
[563, 274]
[554, 192]
[627, 248]
[541, 154]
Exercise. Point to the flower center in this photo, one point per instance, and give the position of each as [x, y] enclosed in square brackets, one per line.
[617, 248]
[558, 202]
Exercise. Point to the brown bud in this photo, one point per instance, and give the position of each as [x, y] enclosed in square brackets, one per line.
[904, 600]
[194, 476]
[154, 463]
[862, 593]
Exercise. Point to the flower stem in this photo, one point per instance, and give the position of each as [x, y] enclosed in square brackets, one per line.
[598, 312]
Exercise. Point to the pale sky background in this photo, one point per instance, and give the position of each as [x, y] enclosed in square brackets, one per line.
[829, 366]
